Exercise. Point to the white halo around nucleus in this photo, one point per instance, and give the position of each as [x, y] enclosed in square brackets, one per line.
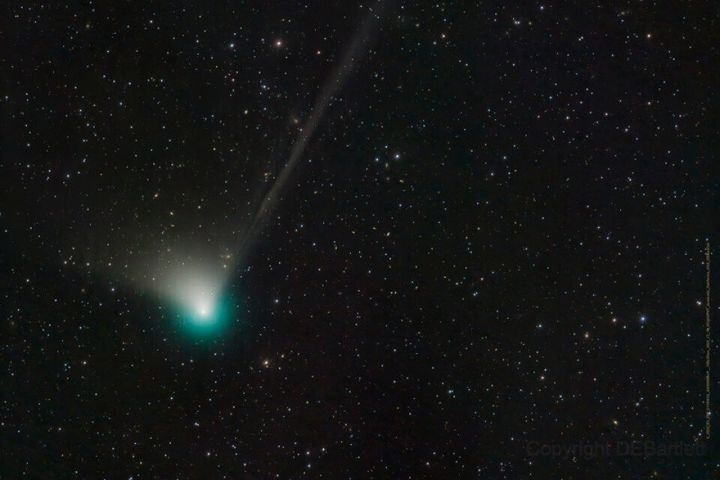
[194, 288]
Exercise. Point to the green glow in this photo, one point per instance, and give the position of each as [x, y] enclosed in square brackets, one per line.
[205, 320]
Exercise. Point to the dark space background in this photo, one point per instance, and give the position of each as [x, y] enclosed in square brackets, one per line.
[496, 236]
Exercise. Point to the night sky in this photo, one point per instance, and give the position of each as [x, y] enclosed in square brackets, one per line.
[402, 240]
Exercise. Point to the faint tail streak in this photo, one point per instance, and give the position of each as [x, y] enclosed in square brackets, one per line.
[331, 87]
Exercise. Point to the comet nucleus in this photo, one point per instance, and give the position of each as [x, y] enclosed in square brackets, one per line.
[197, 299]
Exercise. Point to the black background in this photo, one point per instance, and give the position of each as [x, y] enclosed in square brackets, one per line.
[493, 185]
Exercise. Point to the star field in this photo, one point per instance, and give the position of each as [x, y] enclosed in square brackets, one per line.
[491, 242]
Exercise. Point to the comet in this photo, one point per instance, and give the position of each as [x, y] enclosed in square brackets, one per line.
[196, 287]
